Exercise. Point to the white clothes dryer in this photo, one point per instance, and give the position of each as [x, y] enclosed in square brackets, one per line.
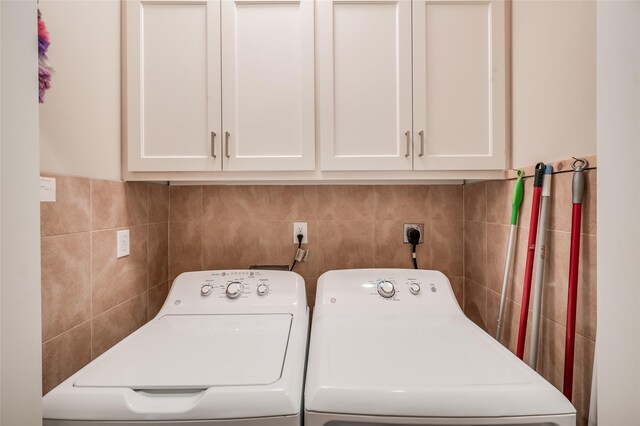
[228, 348]
[393, 347]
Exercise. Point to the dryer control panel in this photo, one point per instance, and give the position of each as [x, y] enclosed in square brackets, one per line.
[381, 291]
[235, 291]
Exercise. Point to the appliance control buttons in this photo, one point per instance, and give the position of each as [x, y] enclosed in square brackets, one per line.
[386, 289]
[262, 290]
[206, 289]
[234, 290]
[414, 288]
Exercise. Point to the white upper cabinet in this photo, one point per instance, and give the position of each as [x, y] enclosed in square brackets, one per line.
[173, 117]
[268, 85]
[230, 90]
[364, 84]
[459, 90]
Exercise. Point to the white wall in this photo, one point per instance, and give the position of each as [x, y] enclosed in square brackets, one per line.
[618, 344]
[20, 348]
[80, 119]
[553, 80]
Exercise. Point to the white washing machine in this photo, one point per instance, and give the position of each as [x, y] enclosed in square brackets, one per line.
[228, 348]
[392, 347]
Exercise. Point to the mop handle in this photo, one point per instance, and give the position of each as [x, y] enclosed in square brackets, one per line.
[540, 253]
[518, 192]
[531, 249]
[574, 263]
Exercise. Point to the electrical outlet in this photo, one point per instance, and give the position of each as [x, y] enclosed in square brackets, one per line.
[300, 228]
[122, 243]
[408, 226]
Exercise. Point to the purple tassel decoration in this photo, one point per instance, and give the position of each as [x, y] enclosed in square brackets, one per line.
[44, 70]
[44, 76]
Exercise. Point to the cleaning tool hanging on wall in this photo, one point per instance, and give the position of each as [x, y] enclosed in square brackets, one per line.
[531, 248]
[518, 192]
[540, 254]
[44, 69]
[577, 191]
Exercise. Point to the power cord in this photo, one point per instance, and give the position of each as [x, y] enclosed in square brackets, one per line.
[413, 236]
[299, 237]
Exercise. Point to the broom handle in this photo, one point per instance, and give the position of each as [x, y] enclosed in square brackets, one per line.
[531, 248]
[574, 263]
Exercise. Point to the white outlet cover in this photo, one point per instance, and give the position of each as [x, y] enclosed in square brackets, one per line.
[300, 227]
[47, 189]
[122, 243]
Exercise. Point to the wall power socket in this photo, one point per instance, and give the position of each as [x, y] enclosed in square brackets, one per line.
[408, 226]
[300, 228]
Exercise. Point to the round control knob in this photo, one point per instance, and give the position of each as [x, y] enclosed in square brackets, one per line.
[234, 290]
[262, 290]
[386, 289]
[205, 290]
[414, 288]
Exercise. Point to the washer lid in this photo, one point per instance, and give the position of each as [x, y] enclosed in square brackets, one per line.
[420, 367]
[196, 352]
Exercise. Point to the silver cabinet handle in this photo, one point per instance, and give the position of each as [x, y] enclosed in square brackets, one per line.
[213, 144]
[408, 135]
[226, 144]
[421, 133]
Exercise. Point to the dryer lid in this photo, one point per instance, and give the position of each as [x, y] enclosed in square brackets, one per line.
[420, 367]
[196, 352]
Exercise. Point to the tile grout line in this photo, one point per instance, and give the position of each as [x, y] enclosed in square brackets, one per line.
[147, 262]
[486, 252]
[464, 248]
[91, 267]
[543, 316]
[201, 190]
[90, 320]
[169, 236]
[376, 203]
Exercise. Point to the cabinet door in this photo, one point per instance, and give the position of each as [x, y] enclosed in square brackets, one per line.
[268, 85]
[173, 119]
[459, 84]
[364, 67]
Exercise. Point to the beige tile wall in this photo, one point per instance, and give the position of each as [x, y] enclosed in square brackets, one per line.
[487, 209]
[90, 299]
[214, 227]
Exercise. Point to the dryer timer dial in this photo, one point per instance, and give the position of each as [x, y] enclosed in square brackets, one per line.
[386, 289]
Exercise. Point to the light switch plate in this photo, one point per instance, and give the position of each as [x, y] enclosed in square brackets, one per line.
[122, 243]
[47, 189]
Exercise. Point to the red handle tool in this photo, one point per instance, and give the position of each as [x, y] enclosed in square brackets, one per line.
[531, 249]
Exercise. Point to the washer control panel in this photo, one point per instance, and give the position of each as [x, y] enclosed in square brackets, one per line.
[233, 291]
[370, 290]
[234, 285]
